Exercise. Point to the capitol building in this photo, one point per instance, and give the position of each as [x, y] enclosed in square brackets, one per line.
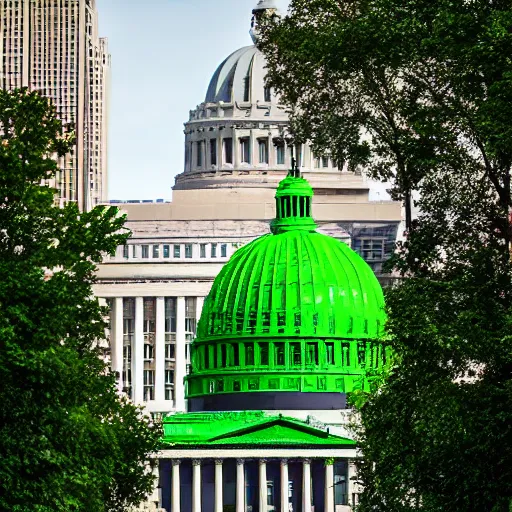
[290, 307]
[236, 154]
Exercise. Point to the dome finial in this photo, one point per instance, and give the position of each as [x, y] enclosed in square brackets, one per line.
[263, 6]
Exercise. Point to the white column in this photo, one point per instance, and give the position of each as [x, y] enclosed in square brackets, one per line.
[179, 367]
[196, 485]
[306, 485]
[138, 356]
[199, 307]
[263, 484]
[285, 501]
[240, 485]
[160, 350]
[116, 339]
[329, 487]
[219, 500]
[175, 492]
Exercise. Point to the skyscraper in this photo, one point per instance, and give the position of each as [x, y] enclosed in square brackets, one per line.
[53, 46]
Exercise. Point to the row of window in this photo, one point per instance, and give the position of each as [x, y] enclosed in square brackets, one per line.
[245, 153]
[147, 251]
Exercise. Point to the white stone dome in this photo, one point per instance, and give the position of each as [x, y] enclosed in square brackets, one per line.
[240, 79]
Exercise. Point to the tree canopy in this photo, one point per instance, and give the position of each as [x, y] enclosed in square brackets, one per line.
[418, 92]
[68, 440]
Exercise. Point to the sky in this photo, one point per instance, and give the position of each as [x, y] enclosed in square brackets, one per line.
[164, 53]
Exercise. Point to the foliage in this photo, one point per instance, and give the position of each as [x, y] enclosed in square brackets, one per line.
[419, 92]
[68, 441]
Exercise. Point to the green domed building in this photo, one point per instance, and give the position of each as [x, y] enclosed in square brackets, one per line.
[291, 325]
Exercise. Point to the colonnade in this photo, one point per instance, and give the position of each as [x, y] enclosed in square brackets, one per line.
[283, 504]
[137, 356]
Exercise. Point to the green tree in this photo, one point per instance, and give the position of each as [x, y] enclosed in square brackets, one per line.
[68, 440]
[419, 92]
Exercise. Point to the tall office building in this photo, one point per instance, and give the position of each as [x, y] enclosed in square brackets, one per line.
[53, 46]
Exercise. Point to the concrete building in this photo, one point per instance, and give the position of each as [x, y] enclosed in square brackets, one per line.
[54, 47]
[237, 151]
[291, 325]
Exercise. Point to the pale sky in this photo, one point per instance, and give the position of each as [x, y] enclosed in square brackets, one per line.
[164, 53]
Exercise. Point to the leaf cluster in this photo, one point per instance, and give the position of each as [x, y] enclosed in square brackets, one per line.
[68, 440]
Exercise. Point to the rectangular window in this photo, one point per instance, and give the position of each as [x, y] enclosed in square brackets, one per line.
[280, 154]
[156, 251]
[145, 251]
[279, 354]
[317, 162]
[224, 250]
[214, 251]
[325, 161]
[177, 251]
[190, 318]
[298, 154]
[167, 251]
[245, 150]
[202, 251]
[188, 250]
[213, 151]
[295, 356]
[227, 148]
[169, 377]
[329, 353]
[263, 354]
[199, 154]
[263, 150]
[340, 483]
[249, 354]
[267, 94]
[169, 393]
[311, 353]
[134, 251]
[170, 351]
[126, 252]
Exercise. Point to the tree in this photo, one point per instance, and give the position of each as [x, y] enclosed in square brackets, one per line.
[399, 86]
[68, 440]
[418, 92]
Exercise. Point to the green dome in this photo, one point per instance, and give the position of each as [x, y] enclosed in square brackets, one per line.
[294, 310]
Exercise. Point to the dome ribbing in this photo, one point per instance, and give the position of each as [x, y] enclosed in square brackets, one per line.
[293, 311]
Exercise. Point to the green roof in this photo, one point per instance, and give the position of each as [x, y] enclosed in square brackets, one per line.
[245, 428]
[299, 307]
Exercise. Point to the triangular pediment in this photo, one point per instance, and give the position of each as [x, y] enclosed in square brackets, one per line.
[281, 431]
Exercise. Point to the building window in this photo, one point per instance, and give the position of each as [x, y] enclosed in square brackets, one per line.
[224, 250]
[214, 250]
[167, 252]
[340, 483]
[170, 343]
[169, 377]
[279, 354]
[325, 161]
[199, 154]
[213, 151]
[317, 162]
[280, 153]
[263, 354]
[177, 251]
[263, 150]
[145, 251]
[134, 251]
[267, 94]
[298, 154]
[227, 148]
[202, 251]
[249, 354]
[190, 318]
[128, 339]
[329, 353]
[295, 355]
[188, 250]
[156, 251]
[170, 351]
[245, 150]
[126, 252]
[311, 353]
[149, 385]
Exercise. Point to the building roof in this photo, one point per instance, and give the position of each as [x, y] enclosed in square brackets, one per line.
[239, 79]
[244, 428]
[292, 311]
